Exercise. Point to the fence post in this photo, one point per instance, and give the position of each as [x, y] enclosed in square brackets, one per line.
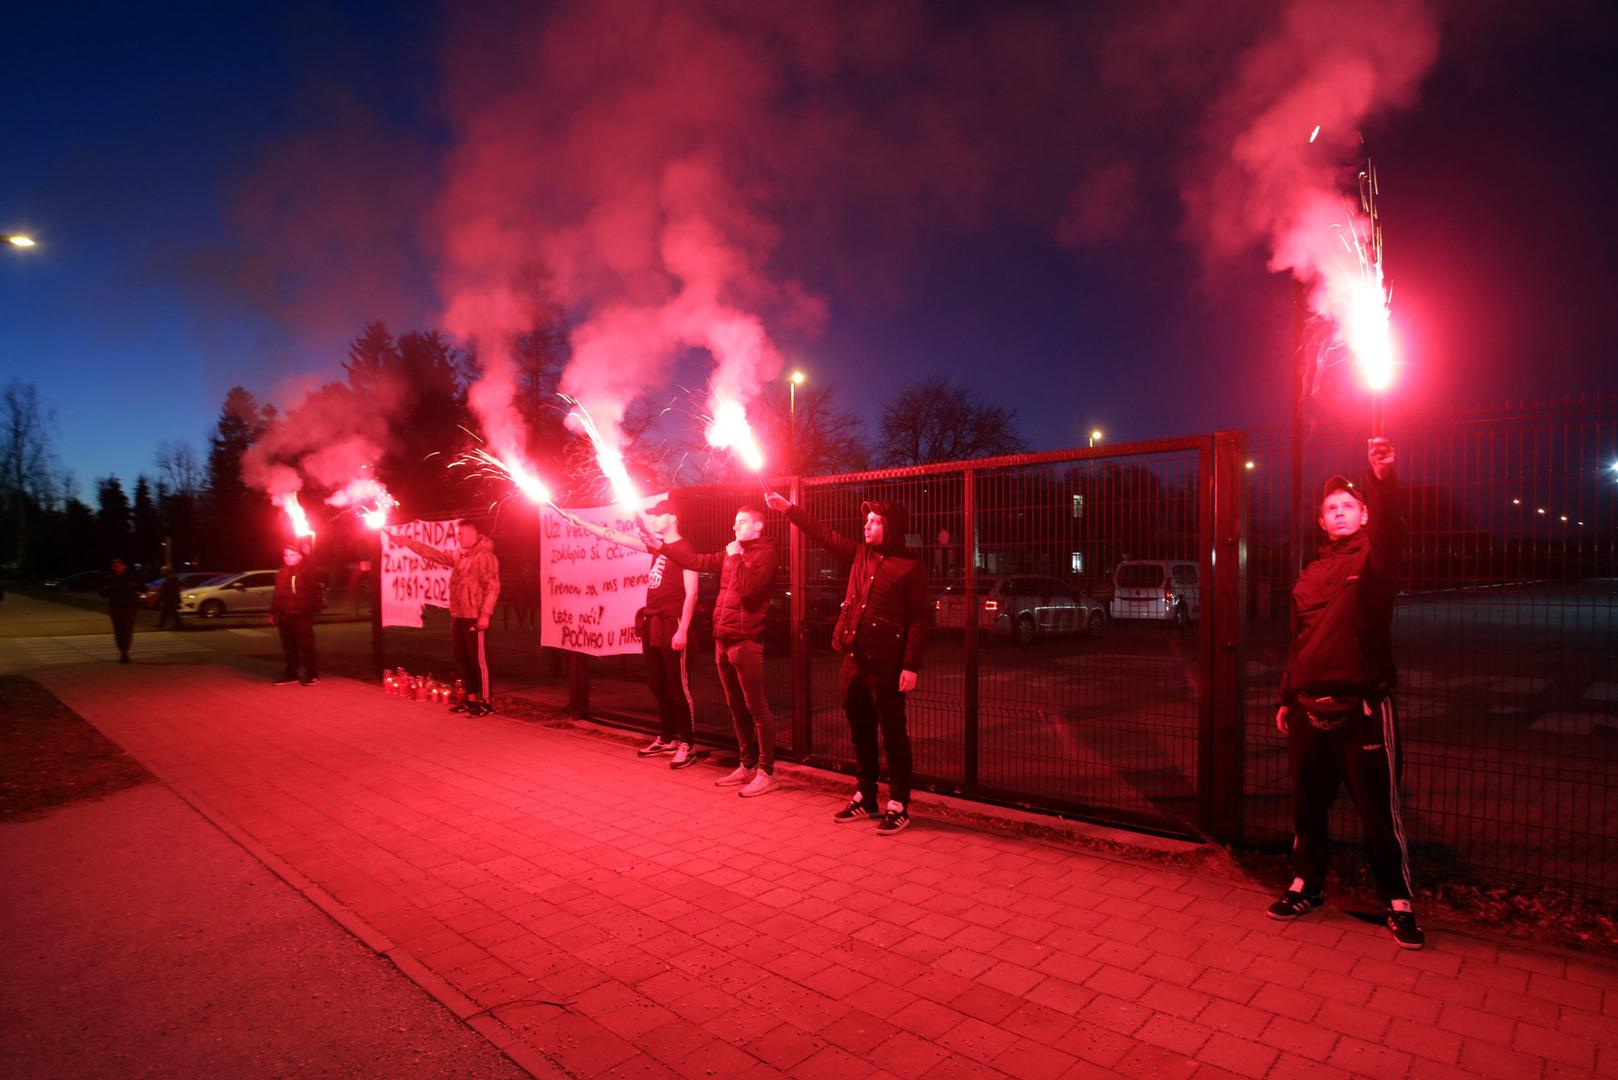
[803, 735]
[374, 580]
[1222, 716]
[969, 629]
[578, 683]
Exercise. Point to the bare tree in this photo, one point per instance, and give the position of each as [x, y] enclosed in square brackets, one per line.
[179, 468]
[28, 475]
[934, 420]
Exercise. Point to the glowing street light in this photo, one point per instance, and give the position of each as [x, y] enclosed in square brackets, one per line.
[1095, 436]
[795, 380]
[1250, 465]
[18, 240]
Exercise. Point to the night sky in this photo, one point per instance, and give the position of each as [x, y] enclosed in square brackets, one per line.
[227, 197]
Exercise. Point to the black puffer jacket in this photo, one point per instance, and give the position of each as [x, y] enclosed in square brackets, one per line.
[297, 589]
[885, 613]
[744, 585]
[1342, 605]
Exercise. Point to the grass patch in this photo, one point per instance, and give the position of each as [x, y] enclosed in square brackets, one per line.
[50, 757]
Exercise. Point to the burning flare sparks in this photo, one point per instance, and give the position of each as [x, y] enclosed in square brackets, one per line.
[611, 462]
[295, 516]
[366, 489]
[731, 431]
[1356, 296]
[484, 464]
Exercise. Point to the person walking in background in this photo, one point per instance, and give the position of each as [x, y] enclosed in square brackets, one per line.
[123, 591]
[168, 600]
[474, 589]
[664, 625]
[881, 631]
[746, 570]
[1336, 705]
[292, 611]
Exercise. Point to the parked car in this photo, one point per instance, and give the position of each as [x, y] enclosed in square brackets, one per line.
[1021, 607]
[245, 593]
[189, 579]
[1160, 589]
[83, 581]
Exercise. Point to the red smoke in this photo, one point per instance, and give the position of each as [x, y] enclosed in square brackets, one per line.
[1261, 179]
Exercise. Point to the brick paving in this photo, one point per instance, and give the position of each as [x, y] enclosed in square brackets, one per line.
[600, 915]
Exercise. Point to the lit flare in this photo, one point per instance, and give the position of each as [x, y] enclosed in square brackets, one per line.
[1357, 300]
[610, 460]
[362, 490]
[730, 430]
[484, 464]
[295, 516]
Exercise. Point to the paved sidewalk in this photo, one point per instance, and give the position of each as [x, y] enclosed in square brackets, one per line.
[603, 915]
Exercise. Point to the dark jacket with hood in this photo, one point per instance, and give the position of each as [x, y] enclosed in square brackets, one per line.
[744, 585]
[123, 590]
[885, 612]
[297, 589]
[1342, 605]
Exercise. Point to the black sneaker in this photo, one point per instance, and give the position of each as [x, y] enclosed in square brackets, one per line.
[1292, 904]
[459, 706]
[311, 680]
[1405, 930]
[478, 708]
[895, 819]
[854, 811]
[285, 680]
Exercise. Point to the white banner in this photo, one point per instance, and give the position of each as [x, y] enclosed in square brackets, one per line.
[589, 588]
[410, 581]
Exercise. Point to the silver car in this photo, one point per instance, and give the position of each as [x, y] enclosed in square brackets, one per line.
[245, 593]
[1022, 607]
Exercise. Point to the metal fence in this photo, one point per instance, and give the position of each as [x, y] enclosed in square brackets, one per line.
[1062, 694]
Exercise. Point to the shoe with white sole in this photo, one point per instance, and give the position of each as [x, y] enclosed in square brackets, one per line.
[740, 776]
[655, 747]
[894, 819]
[761, 784]
[683, 756]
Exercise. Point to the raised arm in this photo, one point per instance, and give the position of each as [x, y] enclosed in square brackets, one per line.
[839, 545]
[612, 536]
[1388, 528]
[426, 551]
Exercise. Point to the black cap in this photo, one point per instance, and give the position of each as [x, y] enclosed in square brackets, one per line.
[1339, 482]
[662, 506]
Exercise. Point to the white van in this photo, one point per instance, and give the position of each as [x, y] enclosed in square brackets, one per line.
[1162, 589]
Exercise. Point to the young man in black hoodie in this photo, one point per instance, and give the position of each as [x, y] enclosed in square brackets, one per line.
[881, 632]
[123, 591]
[1336, 696]
[746, 571]
[292, 610]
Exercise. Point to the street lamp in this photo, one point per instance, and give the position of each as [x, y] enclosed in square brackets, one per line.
[795, 380]
[1095, 436]
[18, 240]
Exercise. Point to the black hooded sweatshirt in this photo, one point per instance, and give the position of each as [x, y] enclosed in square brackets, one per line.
[885, 612]
[1342, 605]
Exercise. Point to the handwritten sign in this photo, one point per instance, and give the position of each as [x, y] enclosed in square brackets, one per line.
[591, 588]
[410, 581]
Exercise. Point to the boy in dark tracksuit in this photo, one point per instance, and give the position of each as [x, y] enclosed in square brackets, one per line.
[1336, 696]
[881, 632]
[746, 571]
[664, 625]
[292, 610]
[123, 591]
